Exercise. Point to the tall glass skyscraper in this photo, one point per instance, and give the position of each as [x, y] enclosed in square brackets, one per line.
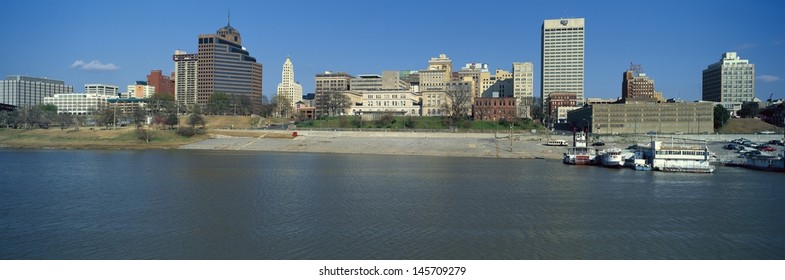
[226, 66]
[562, 59]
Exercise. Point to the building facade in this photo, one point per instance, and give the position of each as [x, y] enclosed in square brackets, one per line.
[396, 102]
[226, 66]
[638, 118]
[562, 59]
[288, 87]
[185, 78]
[732, 79]
[102, 89]
[140, 90]
[494, 109]
[163, 84]
[523, 87]
[476, 73]
[78, 103]
[636, 87]
[438, 73]
[24, 91]
[559, 100]
[332, 82]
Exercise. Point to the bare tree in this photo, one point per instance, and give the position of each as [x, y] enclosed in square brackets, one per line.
[65, 120]
[332, 103]
[282, 106]
[457, 103]
[104, 116]
[144, 134]
[139, 115]
[79, 120]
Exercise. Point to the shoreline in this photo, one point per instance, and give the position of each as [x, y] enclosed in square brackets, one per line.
[466, 145]
[410, 143]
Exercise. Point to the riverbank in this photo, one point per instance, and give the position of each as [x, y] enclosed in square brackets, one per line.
[485, 145]
[475, 145]
[91, 138]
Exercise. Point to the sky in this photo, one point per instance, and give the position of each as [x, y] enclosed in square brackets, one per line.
[119, 42]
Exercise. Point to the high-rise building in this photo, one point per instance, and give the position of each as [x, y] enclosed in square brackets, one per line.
[637, 87]
[101, 89]
[523, 87]
[288, 86]
[162, 84]
[23, 91]
[185, 78]
[562, 58]
[476, 72]
[140, 90]
[330, 82]
[732, 79]
[437, 75]
[226, 66]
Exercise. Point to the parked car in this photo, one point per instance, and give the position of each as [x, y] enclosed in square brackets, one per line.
[598, 143]
[730, 147]
[766, 148]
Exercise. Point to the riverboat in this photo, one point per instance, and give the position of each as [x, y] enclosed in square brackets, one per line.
[611, 157]
[579, 153]
[683, 158]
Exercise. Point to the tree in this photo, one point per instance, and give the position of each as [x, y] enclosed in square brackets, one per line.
[195, 119]
[218, 103]
[332, 103]
[159, 120]
[79, 120]
[457, 103]
[386, 119]
[65, 120]
[538, 113]
[104, 116]
[721, 116]
[4, 118]
[139, 115]
[162, 102]
[144, 134]
[282, 106]
[749, 110]
[172, 119]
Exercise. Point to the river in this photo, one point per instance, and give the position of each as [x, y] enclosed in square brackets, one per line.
[187, 204]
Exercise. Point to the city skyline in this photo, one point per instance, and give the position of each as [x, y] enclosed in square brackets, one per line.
[90, 42]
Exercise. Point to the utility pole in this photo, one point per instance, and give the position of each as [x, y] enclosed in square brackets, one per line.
[511, 124]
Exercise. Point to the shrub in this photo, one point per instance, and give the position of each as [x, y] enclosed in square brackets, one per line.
[189, 131]
[144, 134]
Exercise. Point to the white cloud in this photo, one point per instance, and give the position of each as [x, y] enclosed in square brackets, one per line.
[94, 65]
[767, 78]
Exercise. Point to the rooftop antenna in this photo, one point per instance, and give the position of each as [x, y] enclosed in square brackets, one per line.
[228, 18]
[636, 68]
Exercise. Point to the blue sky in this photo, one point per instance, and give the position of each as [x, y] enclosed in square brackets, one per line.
[119, 42]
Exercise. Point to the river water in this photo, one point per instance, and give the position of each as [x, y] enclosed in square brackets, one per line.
[186, 204]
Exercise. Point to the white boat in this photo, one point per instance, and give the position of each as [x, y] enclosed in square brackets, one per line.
[683, 158]
[643, 167]
[611, 157]
[579, 156]
[579, 153]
